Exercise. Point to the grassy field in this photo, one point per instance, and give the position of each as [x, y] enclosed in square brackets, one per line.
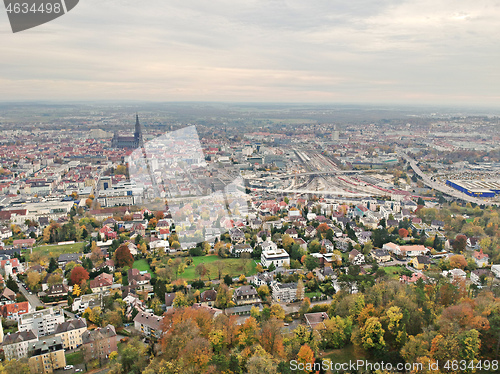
[232, 266]
[74, 358]
[393, 271]
[312, 294]
[54, 250]
[142, 265]
[346, 354]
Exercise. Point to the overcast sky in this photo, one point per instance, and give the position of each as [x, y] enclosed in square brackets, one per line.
[359, 51]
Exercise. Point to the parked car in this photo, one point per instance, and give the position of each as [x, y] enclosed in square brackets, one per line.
[68, 367]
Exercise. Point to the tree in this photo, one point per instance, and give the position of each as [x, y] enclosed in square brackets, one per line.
[458, 261]
[403, 233]
[55, 278]
[311, 262]
[306, 357]
[220, 267]
[304, 307]
[228, 280]
[52, 265]
[77, 290]
[263, 291]
[201, 270]
[300, 290]
[123, 257]
[277, 312]
[96, 253]
[11, 284]
[224, 295]
[32, 279]
[79, 275]
[460, 243]
[372, 334]
[180, 300]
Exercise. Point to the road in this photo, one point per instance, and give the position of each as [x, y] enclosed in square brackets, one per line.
[439, 186]
[32, 299]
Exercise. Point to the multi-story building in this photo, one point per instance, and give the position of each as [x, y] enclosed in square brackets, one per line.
[99, 343]
[47, 355]
[42, 322]
[15, 346]
[71, 332]
[284, 292]
[148, 324]
[278, 257]
[86, 301]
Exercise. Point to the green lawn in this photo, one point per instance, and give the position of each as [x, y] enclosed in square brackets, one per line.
[74, 358]
[142, 265]
[232, 266]
[312, 294]
[346, 354]
[393, 271]
[54, 250]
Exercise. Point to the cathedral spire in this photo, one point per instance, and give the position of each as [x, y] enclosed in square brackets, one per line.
[137, 133]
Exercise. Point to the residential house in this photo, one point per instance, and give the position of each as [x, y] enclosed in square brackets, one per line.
[237, 236]
[7, 296]
[310, 232]
[46, 355]
[301, 243]
[454, 274]
[14, 310]
[71, 332]
[86, 301]
[148, 324]
[208, 297]
[101, 283]
[327, 244]
[413, 278]
[380, 255]
[23, 243]
[421, 262]
[15, 345]
[481, 259]
[57, 290]
[99, 343]
[138, 278]
[356, 257]
[238, 249]
[246, 295]
[169, 300]
[477, 275]
[64, 258]
[495, 269]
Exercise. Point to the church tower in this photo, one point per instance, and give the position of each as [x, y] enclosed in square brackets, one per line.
[137, 133]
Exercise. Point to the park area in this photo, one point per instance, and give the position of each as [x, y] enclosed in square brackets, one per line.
[232, 266]
[142, 265]
[55, 250]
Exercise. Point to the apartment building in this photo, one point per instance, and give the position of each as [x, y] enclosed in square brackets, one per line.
[71, 332]
[15, 346]
[42, 322]
[47, 355]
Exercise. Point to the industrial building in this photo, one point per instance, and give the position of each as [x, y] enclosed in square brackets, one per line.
[476, 188]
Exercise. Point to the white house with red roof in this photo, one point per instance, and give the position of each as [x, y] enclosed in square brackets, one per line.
[481, 259]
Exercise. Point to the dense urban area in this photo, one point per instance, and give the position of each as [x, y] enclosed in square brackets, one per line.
[206, 238]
